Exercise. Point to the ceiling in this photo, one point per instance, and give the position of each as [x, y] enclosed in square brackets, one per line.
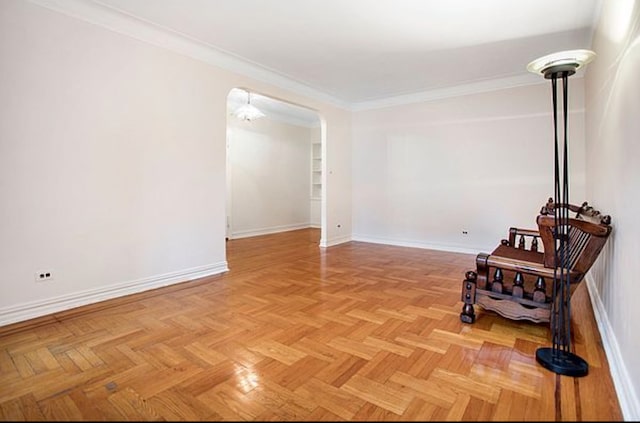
[355, 54]
[359, 51]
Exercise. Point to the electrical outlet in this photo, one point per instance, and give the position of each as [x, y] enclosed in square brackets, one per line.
[44, 275]
[465, 232]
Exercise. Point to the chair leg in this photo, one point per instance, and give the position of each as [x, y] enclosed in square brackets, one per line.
[468, 314]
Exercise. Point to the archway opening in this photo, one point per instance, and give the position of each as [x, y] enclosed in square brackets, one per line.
[275, 168]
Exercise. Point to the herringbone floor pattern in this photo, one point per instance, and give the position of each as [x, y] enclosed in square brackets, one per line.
[294, 332]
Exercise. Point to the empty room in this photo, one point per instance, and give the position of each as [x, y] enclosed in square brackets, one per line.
[245, 210]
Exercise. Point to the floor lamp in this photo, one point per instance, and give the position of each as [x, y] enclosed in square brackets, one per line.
[559, 358]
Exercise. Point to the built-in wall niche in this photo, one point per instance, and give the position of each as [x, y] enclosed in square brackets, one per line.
[316, 178]
[316, 169]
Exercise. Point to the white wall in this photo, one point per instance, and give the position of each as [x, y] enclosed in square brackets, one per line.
[425, 172]
[613, 183]
[336, 179]
[270, 171]
[112, 161]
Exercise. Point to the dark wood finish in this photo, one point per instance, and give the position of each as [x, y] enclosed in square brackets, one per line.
[522, 276]
[294, 332]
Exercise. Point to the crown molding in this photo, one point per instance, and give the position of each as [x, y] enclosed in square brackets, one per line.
[117, 21]
[292, 120]
[94, 12]
[455, 91]
[286, 118]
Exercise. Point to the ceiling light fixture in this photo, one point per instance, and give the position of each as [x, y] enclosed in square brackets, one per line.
[248, 112]
[558, 358]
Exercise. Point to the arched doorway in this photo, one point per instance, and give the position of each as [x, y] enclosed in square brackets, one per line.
[275, 167]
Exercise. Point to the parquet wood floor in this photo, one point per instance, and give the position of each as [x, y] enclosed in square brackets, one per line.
[294, 332]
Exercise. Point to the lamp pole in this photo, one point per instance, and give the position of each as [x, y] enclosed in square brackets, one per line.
[558, 358]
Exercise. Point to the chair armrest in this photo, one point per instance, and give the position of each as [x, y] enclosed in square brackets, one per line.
[522, 266]
[526, 232]
[514, 233]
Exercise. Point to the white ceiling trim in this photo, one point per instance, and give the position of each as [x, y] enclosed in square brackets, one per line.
[159, 36]
[287, 119]
[279, 115]
[458, 90]
[282, 118]
[134, 27]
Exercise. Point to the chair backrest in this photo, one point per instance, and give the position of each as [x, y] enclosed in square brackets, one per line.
[586, 232]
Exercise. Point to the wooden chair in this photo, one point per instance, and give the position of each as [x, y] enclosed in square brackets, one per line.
[516, 281]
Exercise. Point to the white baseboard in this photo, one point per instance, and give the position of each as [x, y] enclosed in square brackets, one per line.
[30, 310]
[270, 230]
[627, 397]
[414, 244]
[334, 241]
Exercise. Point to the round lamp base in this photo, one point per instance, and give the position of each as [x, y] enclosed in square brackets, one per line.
[562, 362]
